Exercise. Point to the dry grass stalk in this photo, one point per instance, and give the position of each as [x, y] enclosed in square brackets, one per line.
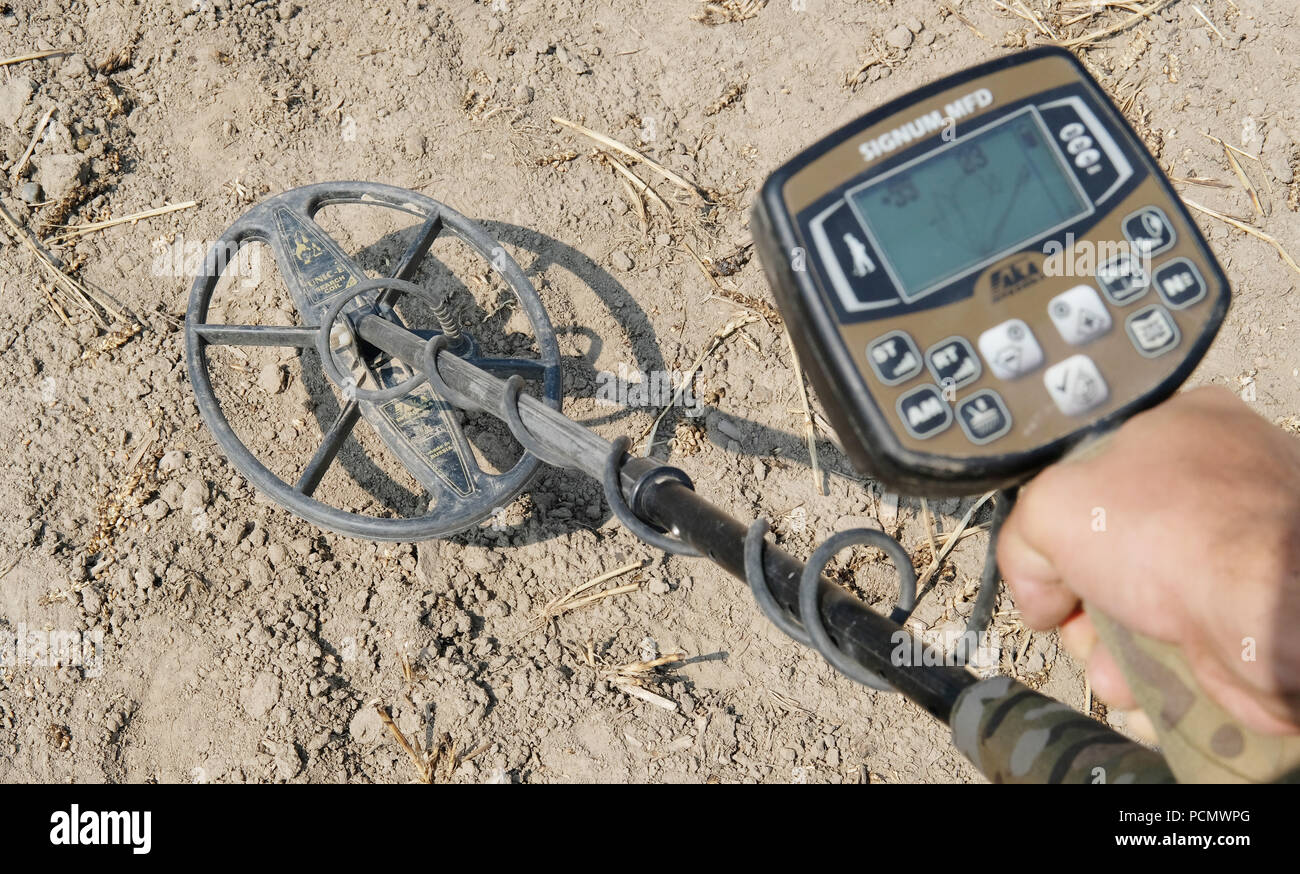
[94, 302]
[1207, 20]
[964, 20]
[720, 336]
[1231, 152]
[1141, 14]
[950, 543]
[1249, 229]
[72, 231]
[610, 143]
[809, 426]
[635, 181]
[435, 766]
[34, 56]
[31, 147]
[1020, 10]
[574, 598]
[637, 202]
[634, 678]
[1201, 180]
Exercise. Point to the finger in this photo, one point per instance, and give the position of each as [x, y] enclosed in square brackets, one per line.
[1040, 595]
[1140, 726]
[1107, 679]
[1079, 636]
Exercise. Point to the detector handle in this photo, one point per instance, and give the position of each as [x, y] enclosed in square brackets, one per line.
[1201, 741]
[1013, 734]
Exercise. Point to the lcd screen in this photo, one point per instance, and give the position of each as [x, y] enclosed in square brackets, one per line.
[960, 207]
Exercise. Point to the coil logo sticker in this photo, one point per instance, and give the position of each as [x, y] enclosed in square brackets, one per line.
[77, 827]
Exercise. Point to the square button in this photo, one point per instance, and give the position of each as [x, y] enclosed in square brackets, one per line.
[1123, 279]
[1180, 283]
[1079, 315]
[953, 362]
[1149, 231]
[1152, 330]
[983, 416]
[924, 411]
[1010, 349]
[894, 357]
[1076, 385]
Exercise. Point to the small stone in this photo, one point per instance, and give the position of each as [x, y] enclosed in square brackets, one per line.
[621, 260]
[524, 94]
[288, 763]
[195, 496]
[61, 174]
[156, 509]
[899, 37]
[366, 726]
[74, 67]
[659, 587]
[275, 552]
[271, 378]
[259, 574]
[171, 461]
[30, 192]
[728, 428]
[14, 96]
[259, 698]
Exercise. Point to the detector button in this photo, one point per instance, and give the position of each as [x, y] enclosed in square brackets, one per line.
[983, 416]
[1180, 283]
[1123, 279]
[953, 362]
[1149, 231]
[894, 357]
[1152, 330]
[1076, 385]
[1079, 315]
[924, 412]
[1010, 349]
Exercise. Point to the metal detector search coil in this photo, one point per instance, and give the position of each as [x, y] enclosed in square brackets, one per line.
[980, 273]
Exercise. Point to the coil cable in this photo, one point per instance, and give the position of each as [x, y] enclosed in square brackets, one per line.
[808, 629]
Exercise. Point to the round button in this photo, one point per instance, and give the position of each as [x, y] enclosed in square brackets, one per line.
[1078, 144]
[1073, 130]
[1087, 158]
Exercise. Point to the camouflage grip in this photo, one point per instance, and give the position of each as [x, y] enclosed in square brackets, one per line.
[1201, 742]
[1015, 735]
